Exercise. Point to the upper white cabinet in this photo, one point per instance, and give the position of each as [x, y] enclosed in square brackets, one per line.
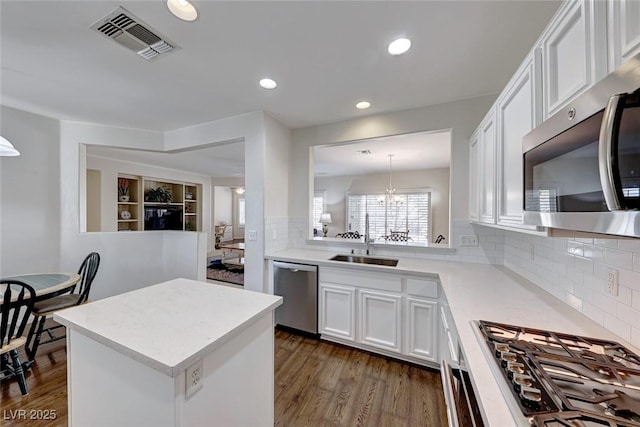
[574, 52]
[487, 164]
[474, 178]
[518, 112]
[624, 31]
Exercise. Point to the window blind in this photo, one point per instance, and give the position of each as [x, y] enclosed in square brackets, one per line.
[413, 213]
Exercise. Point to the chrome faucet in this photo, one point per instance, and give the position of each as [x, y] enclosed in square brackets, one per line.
[367, 239]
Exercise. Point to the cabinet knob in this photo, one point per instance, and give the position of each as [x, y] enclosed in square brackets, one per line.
[571, 114]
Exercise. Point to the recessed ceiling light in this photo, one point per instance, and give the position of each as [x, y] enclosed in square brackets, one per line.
[182, 9]
[268, 83]
[399, 46]
[363, 105]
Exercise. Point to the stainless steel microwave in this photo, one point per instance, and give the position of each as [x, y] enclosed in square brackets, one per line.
[582, 165]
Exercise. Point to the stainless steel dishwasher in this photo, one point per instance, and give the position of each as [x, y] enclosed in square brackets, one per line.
[298, 285]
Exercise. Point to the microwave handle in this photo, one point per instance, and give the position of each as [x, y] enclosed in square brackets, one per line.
[605, 153]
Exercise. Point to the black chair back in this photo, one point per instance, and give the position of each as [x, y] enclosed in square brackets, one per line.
[87, 273]
[15, 308]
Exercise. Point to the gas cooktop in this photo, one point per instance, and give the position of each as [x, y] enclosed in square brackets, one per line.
[566, 380]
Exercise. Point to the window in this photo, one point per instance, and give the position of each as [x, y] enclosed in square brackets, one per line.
[318, 209]
[413, 213]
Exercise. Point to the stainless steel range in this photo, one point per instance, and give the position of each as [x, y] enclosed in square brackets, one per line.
[566, 380]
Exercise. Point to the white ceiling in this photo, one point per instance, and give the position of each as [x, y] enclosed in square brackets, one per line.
[324, 55]
[424, 150]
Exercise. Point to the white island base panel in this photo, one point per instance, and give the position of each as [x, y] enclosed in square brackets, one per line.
[107, 388]
[128, 357]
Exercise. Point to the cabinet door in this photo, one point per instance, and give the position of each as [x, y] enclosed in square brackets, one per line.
[337, 311]
[422, 323]
[448, 336]
[518, 113]
[624, 31]
[488, 168]
[574, 52]
[474, 178]
[380, 320]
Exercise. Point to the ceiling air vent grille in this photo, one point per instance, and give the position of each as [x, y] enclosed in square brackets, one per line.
[129, 31]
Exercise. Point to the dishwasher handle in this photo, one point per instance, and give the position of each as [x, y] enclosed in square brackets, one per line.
[294, 268]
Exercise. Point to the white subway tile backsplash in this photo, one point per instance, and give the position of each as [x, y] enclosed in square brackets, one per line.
[574, 301]
[617, 326]
[631, 245]
[619, 258]
[575, 248]
[593, 312]
[635, 336]
[579, 269]
[629, 278]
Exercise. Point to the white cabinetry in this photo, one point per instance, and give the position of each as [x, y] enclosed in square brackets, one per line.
[518, 112]
[624, 31]
[337, 311]
[385, 313]
[422, 324]
[487, 168]
[574, 52]
[474, 178]
[379, 319]
[448, 335]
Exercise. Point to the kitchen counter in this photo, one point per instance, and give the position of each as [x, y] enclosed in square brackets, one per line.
[482, 292]
[139, 346]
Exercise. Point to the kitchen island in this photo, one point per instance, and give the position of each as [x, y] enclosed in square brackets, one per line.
[180, 353]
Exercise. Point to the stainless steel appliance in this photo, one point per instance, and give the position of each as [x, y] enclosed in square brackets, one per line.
[558, 379]
[298, 285]
[582, 165]
[462, 406]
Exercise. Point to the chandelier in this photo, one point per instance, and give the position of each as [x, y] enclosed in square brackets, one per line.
[390, 197]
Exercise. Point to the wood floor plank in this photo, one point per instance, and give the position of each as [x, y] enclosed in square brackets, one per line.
[317, 384]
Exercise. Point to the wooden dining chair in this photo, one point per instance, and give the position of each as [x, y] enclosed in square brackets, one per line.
[78, 295]
[15, 308]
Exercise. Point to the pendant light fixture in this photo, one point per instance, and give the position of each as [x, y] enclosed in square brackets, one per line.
[7, 149]
[390, 197]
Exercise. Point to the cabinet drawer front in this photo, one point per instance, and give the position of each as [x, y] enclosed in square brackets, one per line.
[382, 282]
[422, 288]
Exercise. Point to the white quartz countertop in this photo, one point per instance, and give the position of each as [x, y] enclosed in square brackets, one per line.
[171, 325]
[483, 292]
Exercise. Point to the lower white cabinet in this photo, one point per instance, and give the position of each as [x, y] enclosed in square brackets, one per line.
[422, 321]
[385, 313]
[337, 311]
[379, 318]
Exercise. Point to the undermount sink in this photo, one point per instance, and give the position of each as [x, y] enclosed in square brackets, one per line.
[366, 260]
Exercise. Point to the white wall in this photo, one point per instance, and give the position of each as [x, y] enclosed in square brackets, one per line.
[29, 194]
[277, 182]
[222, 200]
[435, 180]
[462, 117]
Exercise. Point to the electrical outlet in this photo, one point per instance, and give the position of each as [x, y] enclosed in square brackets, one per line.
[195, 377]
[469, 240]
[612, 282]
[252, 235]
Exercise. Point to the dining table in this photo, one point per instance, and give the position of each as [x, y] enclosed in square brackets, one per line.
[48, 285]
[45, 285]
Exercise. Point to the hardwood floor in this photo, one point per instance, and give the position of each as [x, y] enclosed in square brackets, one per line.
[47, 398]
[316, 384]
